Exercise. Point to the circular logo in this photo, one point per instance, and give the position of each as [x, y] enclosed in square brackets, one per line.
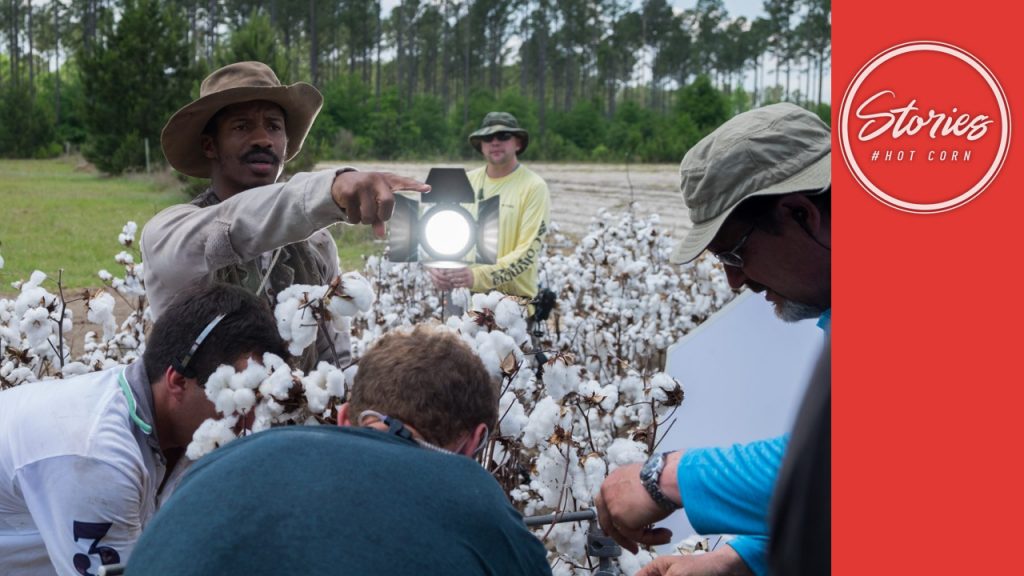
[924, 127]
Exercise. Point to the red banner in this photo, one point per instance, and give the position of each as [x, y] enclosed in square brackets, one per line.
[929, 207]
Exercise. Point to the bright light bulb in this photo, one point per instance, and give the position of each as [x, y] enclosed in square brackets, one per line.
[447, 232]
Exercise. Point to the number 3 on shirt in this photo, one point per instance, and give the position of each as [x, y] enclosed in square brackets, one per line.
[94, 531]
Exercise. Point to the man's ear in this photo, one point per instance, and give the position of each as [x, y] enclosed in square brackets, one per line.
[798, 207]
[343, 419]
[479, 435]
[176, 383]
[209, 146]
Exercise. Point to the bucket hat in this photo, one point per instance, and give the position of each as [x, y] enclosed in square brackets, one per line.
[499, 122]
[774, 150]
[233, 84]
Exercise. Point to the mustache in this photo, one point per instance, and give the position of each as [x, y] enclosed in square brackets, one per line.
[261, 156]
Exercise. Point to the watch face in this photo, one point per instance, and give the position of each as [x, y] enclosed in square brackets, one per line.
[650, 470]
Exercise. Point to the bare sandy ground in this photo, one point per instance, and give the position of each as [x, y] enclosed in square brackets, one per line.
[578, 191]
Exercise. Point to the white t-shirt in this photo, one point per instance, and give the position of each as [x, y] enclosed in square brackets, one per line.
[76, 488]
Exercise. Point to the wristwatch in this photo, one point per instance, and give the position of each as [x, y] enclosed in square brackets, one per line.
[650, 477]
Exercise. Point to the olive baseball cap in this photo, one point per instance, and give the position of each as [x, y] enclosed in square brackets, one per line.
[774, 150]
[499, 122]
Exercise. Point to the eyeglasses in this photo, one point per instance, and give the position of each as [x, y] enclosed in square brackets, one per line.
[503, 136]
[732, 257]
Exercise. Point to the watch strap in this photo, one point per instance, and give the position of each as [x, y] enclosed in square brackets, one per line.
[650, 477]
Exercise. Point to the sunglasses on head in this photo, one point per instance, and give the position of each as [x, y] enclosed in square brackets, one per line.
[503, 136]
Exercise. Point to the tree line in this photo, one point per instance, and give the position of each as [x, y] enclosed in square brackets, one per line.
[591, 79]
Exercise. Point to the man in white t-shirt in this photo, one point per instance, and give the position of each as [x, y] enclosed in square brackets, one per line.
[85, 462]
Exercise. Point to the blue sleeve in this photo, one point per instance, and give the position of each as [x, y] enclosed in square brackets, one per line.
[753, 550]
[728, 490]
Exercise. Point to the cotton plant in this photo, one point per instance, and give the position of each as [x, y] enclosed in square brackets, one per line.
[580, 395]
[34, 330]
[303, 310]
[269, 392]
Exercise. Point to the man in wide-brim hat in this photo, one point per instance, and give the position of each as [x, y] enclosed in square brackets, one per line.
[523, 216]
[247, 228]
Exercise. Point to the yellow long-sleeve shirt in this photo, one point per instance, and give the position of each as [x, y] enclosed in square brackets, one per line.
[523, 222]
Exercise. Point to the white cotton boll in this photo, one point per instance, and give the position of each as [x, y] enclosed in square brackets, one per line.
[37, 278]
[278, 384]
[36, 326]
[73, 369]
[560, 378]
[251, 377]
[33, 297]
[350, 375]
[661, 385]
[124, 258]
[245, 399]
[358, 290]
[303, 331]
[624, 451]
[630, 563]
[272, 361]
[1, 262]
[570, 539]
[101, 312]
[20, 375]
[549, 479]
[210, 435]
[611, 397]
[525, 381]
[483, 345]
[454, 323]
[545, 416]
[219, 380]
[336, 383]
[315, 387]
[492, 299]
[283, 313]
[588, 478]
[479, 301]
[225, 401]
[508, 313]
[513, 415]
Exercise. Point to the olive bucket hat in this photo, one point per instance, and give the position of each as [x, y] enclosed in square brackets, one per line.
[774, 150]
[496, 122]
[233, 84]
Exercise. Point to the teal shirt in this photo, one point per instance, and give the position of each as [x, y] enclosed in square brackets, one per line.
[330, 500]
[728, 490]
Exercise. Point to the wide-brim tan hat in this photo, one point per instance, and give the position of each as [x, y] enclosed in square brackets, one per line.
[233, 84]
[495, 122]
[774, 150]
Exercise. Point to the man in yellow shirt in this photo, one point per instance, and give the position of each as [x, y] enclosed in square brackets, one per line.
[524, 214]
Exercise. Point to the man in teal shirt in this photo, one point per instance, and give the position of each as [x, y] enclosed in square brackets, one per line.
[759, 194]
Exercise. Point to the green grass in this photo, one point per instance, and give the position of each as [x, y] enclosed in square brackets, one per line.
[54, 215]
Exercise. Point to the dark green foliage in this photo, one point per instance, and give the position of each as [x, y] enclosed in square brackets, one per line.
[705, 105]
[132, 82]
[605, 81]
[27, 125]
[256, 40]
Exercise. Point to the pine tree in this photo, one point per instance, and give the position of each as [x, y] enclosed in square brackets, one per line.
[137, 75]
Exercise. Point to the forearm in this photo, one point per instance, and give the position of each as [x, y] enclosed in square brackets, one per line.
[184, 243]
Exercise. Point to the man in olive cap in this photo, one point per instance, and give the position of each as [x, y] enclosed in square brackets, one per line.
[246, 228]
[759, 193]
[524, 213]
